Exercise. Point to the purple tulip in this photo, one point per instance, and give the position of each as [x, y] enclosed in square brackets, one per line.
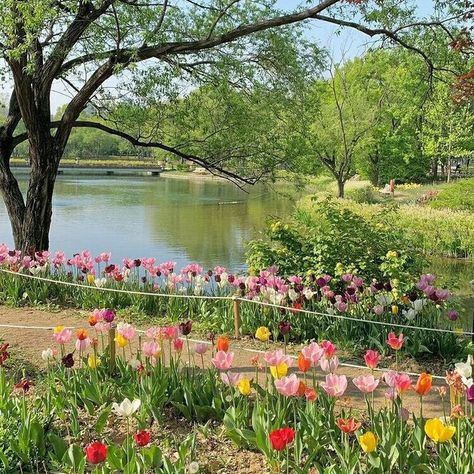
[108, 315]
[470, 394]
[453, 315]
[185, 328]
[284, 327]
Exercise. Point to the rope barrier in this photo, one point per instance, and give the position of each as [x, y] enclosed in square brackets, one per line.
[245, 300]
[244, 349]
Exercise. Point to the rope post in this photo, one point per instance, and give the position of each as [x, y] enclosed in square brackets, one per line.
[237, 321]
[112, 348]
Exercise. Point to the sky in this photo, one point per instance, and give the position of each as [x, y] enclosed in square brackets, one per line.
[348, 43]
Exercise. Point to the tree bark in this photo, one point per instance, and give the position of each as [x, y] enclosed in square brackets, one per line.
[340, 188]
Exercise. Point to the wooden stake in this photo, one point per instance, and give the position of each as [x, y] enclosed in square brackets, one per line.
[236, 307]
[112, 350]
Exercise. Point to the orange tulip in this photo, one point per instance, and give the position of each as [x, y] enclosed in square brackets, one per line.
[222, 344]
[301, 390]
[81, 334]
[423, 385]
[303, 363]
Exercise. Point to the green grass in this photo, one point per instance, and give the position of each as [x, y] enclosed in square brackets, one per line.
[458, 195]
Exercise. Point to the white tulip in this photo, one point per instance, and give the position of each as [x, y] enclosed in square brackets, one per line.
[134, 363]
[47, 354]
[464, 369]
[100, 282]
[193, 467]
[126, 408]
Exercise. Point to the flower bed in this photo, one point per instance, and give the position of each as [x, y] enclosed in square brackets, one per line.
[93, 412]
[345, 304]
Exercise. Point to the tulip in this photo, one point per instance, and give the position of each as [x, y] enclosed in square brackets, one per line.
[126, 330]
[23, 385]
[62, 336]
[329, 349]
[244, 387]
[371, 359]
[178, 345]
[68, 361]
[108, 315]
[222, 344]
[313, 353]
[279, 371]
[276, 358]
[402, 383]
[395, 342]
[335, 385]
[93, 361]
[150, 349]
[126, 408]
[201, 348]
[142, 438]
[284, 327]
[423, 384]
[96, 452]
[366, 383]
[47, 354]
[368, 442]
[231, 379]
[121, 340]
[186, 328]
[281, 438]
[310, 394]
[288, 386]
[437, 431]
[303, 363]
[349, 425]
[329, 365]
[223, 360]
[470, 394]
[262, 334]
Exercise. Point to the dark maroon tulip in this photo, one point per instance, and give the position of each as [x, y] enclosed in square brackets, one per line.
[68, 361]
[388, 286]
[321, 281]
[453, 315]
[470, 394]
[412, 296]
[217, 278]
[23, 385]
[284, 327]
[137, 262]
[209, 272]
[186, 327]
[231, 279]
[143, 279]
[350, 290]
[378, 286]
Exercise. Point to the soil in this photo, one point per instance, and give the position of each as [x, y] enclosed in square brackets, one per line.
[27, 344]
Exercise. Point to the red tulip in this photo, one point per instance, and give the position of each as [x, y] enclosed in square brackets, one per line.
[96, 452]
[142, 438]
[348, 426]
[222, 343]
[281, 438]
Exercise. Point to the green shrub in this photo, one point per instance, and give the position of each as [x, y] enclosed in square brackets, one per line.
[365, 194]
[327, 237]
[458, 195]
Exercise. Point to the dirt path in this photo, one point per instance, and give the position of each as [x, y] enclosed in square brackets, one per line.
[29, 343]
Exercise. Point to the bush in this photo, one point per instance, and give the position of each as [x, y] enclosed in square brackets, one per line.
[366, 195]
[327, 237]
[458, 196]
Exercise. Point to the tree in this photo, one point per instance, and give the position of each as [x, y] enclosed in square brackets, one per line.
[342, 117]
[89, 43]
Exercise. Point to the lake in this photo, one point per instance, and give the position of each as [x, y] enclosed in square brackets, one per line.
[188, 219]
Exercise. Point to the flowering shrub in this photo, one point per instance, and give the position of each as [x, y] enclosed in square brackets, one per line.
[296, 423]
[396, 299]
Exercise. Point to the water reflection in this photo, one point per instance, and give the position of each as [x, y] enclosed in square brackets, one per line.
[200, 220]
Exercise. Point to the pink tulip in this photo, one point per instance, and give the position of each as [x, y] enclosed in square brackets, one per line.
[366, 383]
[313, 352]
[171, 332]
[391, 394]
[329, 349]
[83, 344]
[329, 365]
[201, 348]
[153, 332]
[276, 358]
[231, 379]
[335, 385]
[372, 359]
[150, 348]
[63, 337]
[288, 386]
[223, 360]
[402, 383]
[395, 342]
[126, 330]
[178, 345]
[102, 327]
[390, 377]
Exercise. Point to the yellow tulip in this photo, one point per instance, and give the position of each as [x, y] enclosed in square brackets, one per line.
[279, 371]
[394, 309]
[438, 431]
[90, 278]
[93, 361]
[368, 442]
[262, 334]
[120, 340]
[58, 329]
[244, 387]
